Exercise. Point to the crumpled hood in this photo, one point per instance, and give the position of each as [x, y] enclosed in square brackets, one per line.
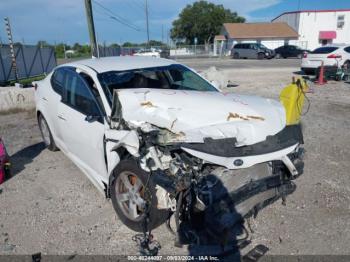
[196, 115]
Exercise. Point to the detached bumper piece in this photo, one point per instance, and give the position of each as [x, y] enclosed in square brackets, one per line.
[227, 209]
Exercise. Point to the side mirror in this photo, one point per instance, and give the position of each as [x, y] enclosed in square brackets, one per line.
[91, 118]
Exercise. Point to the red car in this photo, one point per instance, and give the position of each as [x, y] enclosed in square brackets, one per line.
[4, 163]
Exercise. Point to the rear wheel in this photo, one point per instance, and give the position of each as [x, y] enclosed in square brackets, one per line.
[46, 134]
[131, 191]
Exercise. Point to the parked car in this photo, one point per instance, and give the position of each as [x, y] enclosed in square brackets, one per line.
[148, 52]
[290, 51]
[330, 55]
[157, 138]
[251, 50]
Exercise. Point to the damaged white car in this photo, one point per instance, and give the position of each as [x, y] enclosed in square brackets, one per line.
[158, 139]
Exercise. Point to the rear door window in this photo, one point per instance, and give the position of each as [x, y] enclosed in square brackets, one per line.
[324, 50]
[347, 49]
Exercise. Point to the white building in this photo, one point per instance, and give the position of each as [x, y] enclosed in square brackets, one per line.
[319, 27]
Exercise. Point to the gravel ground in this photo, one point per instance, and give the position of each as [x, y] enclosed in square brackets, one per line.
[49, 206]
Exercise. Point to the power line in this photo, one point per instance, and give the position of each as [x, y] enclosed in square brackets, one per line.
[139, 4]
[136, 4]
[117, 17]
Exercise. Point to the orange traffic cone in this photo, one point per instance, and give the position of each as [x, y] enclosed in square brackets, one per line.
[321, 80]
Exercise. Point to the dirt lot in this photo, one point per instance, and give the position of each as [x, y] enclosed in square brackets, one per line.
[49, 206]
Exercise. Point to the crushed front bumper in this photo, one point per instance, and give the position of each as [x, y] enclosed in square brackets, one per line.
[235, 198]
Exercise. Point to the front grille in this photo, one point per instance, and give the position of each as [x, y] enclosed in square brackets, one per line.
[289, 136]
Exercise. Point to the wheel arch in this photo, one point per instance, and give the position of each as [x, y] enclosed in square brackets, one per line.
[123, 154]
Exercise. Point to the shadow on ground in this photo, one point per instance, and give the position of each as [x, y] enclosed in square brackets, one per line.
[23, 157]
[219, 230]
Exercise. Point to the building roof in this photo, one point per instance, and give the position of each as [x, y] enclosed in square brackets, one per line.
[120, 63]
[313, 11]
[259, 30]
[219, 37]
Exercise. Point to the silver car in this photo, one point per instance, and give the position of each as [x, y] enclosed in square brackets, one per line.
[251, 50]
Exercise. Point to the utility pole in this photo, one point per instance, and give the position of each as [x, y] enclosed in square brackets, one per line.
[91, 26]
[12, 51]
[162, 34]
[146, 9]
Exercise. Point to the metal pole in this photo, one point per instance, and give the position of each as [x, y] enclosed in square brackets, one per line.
[91, 27]
[12, 51]
[162, 34]
[64, 51]
[146, 9]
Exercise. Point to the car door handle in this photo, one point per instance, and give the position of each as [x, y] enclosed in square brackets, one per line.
[61, 117]
[44, 98]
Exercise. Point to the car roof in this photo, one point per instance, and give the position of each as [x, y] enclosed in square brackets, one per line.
[120, 63]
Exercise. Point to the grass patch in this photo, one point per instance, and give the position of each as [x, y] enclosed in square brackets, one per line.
[28, 81]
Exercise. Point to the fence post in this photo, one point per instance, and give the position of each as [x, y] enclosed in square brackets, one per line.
[12, 51]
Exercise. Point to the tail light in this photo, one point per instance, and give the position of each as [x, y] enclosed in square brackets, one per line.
[305, 55]
[334, 56]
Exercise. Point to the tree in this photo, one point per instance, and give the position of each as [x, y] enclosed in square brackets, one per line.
[202, 20]
[129, 44]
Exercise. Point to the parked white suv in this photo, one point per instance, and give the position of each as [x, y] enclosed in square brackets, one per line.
[330, 55]
[158, 139]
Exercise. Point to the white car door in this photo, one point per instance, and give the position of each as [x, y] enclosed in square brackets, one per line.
[81, 126]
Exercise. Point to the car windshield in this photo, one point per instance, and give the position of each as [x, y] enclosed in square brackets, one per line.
[175, 77]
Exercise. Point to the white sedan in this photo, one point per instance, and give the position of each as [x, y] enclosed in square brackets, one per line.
[148, 52]
[158, 139]
[330, 55]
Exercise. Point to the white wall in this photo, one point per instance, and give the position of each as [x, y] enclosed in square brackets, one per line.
[291, 19]
[310, 25]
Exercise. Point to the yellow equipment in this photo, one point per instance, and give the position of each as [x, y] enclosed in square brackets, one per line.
[292, 97]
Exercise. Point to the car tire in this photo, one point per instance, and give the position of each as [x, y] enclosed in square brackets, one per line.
[261, 56]
[236, 56]
[127, 188]
[46, 133]
[347, 63]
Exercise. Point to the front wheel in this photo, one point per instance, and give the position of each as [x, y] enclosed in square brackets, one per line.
[261, 56]
[133, 193]
[46, 134]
